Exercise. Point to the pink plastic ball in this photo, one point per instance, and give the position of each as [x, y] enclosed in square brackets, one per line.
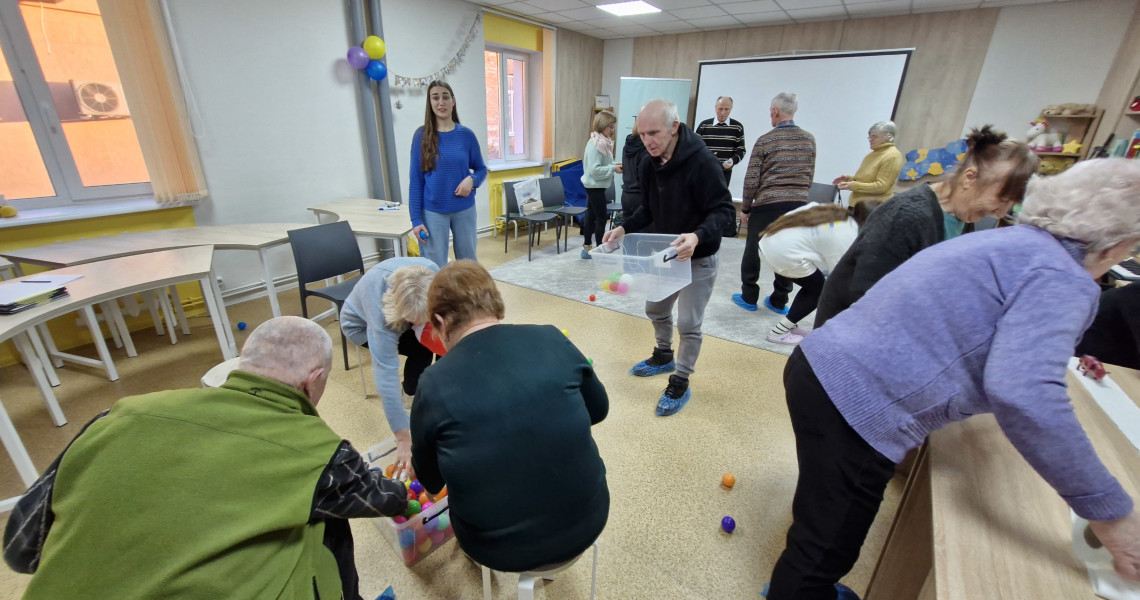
[400, 519]
[622, 288]
[437, 537]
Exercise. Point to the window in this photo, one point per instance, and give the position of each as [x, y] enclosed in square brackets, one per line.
[65, 126]
[506, 82]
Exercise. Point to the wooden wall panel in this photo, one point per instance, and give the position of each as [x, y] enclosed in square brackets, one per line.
[878, 34]
[659, 58]
[949, 50]
[1120, 86]
[755, 41]
[692, 48]
[823, 36]
[578, 78]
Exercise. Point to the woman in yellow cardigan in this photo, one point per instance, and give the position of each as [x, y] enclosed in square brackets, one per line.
[875, 179]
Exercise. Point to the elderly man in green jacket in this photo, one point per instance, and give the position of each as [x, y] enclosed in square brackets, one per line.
[236, 492]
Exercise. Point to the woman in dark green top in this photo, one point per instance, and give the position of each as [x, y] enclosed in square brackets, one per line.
[504, 421]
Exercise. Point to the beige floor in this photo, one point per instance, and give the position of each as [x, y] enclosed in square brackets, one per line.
[663, 538]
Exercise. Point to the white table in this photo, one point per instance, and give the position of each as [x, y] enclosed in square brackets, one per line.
[366, 219]
[259, 237]
[101, 282]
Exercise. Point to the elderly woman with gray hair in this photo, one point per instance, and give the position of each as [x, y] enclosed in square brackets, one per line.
[875, 179]
[983, 323]
[387, 313]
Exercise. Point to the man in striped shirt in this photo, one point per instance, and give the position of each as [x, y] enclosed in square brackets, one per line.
[724, 136]
[780, 172]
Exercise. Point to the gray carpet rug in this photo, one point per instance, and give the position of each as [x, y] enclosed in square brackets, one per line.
[568, 276]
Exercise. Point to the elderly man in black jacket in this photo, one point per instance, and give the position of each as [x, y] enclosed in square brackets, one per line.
[684, 193]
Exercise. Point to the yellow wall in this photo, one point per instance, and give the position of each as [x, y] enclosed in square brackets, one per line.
[495, 188]
[63, 329]
[509, 32]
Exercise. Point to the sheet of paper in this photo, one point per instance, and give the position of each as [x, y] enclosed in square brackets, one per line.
[12, 292]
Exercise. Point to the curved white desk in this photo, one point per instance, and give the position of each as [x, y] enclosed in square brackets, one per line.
[101, 282]
[366, 219]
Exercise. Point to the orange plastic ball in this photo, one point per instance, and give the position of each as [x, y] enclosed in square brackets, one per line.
[442, 493]
[728, 480]
[424, 498]
[389, 470]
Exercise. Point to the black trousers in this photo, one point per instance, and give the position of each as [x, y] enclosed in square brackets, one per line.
[758, 220]
[839, 491]
[419, 358]
[594, 223]
[808, 297]
[727, 175]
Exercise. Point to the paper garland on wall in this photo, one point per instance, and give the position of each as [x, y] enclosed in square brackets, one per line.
[451, 66]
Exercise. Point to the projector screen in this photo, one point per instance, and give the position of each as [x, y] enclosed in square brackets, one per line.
[840, 95]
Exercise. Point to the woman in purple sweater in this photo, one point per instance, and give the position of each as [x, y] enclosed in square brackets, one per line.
[984, 323]
[447, 166]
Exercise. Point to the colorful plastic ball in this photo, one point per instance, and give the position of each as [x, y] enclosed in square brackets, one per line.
[426, 505]
[431, 525]
[423, 235]
[410, 555]
[442, 493]
[615, 276]
[376, 70]
[358, 57]
[412, 495]
[374, 46]
[592, 298]
[416, 486]
[626, 279]
[406, 537]
[728, 480]
[423, 499]
[413, 508]
[443, 521]
[590, 360]
[400, 519]
[437, 537]
[622, 288]
[425, 545]
[565, 333]
[242, 325]
[728, 524]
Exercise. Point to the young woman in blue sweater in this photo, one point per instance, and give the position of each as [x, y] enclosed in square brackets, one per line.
[983, 323]
[598, 168]
[447, 166]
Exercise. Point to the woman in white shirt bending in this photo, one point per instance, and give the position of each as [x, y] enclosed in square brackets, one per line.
[804, 245]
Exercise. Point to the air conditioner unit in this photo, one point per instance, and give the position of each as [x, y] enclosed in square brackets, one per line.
[99, 99]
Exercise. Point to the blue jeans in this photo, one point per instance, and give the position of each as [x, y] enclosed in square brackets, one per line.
[461, 225]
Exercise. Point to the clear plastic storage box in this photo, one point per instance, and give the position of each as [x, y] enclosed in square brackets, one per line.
[422, 533]
[641, 265]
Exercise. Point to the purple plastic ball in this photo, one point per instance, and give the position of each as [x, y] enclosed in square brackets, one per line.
[727, 524]
[417, 487]
[357, 57]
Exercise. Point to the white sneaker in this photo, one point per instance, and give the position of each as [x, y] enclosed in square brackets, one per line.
[789, 339]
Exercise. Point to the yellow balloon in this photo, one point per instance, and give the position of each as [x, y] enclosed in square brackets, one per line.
[374, 46]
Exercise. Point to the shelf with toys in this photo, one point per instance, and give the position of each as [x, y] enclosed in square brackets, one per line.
[1059, 134]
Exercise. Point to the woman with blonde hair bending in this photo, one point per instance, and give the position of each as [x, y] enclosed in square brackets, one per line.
[598, 168]
[804, 245]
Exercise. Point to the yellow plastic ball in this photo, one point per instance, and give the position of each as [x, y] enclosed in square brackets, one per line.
[424, 545]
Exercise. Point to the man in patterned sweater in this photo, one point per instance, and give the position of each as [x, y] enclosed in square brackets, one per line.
[241, 491]
[724, 136]
[780, 172]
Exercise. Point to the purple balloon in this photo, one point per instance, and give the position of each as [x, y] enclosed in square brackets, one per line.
[357, 57]
[376, 70]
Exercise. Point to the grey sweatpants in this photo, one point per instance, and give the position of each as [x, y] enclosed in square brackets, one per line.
[691, 302]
